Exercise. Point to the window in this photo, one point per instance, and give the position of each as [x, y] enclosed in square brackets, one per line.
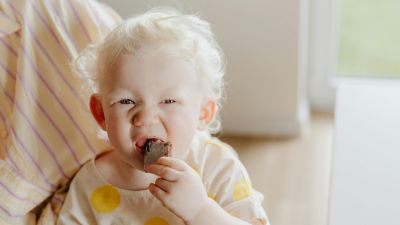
[351, 40]
[369, 38]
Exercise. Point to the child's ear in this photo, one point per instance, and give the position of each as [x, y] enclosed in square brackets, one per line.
[207, 112]
[97, 110]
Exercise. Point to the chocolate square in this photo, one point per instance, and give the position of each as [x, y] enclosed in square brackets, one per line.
[154, 149]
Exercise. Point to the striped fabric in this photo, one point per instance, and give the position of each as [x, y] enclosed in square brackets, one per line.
[46, 130]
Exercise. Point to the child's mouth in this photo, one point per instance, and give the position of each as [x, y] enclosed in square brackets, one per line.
[144, 144]
[153, 149]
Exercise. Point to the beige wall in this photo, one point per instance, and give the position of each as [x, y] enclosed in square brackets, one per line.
[263, 41]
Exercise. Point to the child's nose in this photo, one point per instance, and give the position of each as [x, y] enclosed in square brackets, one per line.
[145, 117]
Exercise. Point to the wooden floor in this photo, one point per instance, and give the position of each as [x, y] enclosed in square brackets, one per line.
[293, 174]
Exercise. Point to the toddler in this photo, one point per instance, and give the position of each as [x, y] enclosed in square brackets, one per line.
[159, 76]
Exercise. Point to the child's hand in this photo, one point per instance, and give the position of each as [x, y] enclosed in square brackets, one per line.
[179, 187]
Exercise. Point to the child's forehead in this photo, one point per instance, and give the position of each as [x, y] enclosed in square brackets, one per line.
[163, 61]
[150, 68]
[159, 53]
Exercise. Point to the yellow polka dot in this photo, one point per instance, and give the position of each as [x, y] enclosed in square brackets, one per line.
[197, 170]
[241, 190]
[105, 199]
[213, 197]
[218, 145]
[156, 221]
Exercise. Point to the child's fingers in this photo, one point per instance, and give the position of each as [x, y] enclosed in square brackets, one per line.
[163, 184]
[165, 172]
[159, 193]
[173, 163]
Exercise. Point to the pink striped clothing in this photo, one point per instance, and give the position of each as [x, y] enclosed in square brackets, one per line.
[46, 130]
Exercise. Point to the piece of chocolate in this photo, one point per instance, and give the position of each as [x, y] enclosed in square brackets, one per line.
[154, 149]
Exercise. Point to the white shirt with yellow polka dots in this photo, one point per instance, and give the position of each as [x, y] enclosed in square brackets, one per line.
[91, 200]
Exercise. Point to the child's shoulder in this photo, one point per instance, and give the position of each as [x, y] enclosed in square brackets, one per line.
[219, 167]
[85, 169]
[86, 176]
[213, 146]
[210, 152]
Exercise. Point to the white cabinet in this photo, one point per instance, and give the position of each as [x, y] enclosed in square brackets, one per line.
[365, 187]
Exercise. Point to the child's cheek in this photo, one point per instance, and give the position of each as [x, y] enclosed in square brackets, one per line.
[182, 129]
[118, 131]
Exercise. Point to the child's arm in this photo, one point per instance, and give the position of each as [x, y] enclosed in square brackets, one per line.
[214, 214]
[181, 190]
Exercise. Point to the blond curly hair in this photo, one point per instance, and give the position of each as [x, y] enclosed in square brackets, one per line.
[160, 26]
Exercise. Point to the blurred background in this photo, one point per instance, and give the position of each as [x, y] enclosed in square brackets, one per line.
[286, 61]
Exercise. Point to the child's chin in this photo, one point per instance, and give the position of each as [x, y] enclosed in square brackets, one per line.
[139, 164]
[136, 162]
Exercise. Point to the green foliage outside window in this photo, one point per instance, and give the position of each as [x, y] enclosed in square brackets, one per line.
[369, 41]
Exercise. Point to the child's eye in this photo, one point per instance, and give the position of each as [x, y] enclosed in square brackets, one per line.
[168, 101]
[126, 101]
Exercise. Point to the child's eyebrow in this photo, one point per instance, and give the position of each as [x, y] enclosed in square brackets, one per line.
[114, 95]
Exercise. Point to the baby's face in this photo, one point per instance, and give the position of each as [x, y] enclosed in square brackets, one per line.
[155, 94]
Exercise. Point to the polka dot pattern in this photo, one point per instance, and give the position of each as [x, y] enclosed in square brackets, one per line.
[214, 143]
[213, 197]
[241, 190]
[195, 168]
[105, 199]
[156, 221]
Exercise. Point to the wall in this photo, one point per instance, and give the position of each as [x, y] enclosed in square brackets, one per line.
[265, 45]
[323, 44]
